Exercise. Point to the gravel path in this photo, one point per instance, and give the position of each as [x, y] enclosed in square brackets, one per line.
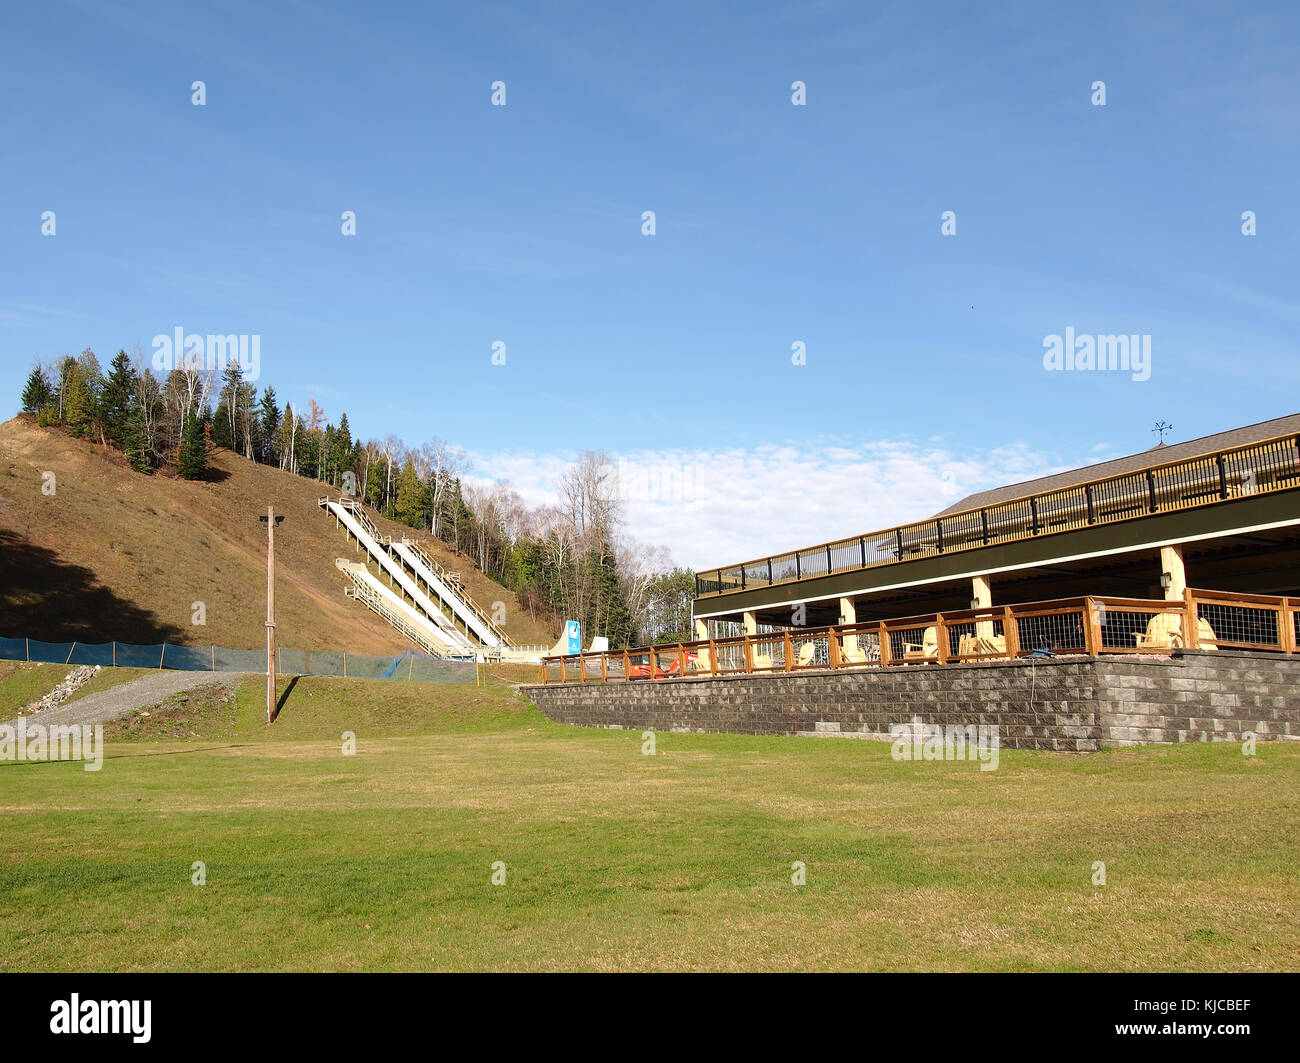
[140, 693]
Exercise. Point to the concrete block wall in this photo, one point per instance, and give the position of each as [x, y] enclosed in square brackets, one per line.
[1075, 704]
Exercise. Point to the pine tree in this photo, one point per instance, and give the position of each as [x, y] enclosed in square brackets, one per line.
[194, 448]
[78, 404]
[38, 393]
[135, 440]
[221, 436]
[115, 398]
[409, 506]
[270, 417]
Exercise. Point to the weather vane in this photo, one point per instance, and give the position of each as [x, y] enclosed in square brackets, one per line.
[1160, 429]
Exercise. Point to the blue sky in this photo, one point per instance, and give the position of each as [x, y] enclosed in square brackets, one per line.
[775, 224]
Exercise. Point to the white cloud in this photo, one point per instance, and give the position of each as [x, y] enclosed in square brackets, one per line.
[715, 507]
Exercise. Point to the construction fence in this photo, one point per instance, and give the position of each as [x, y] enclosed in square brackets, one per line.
[405, 667]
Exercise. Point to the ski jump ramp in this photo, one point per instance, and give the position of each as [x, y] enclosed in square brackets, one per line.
[401, 614]
[423, 583]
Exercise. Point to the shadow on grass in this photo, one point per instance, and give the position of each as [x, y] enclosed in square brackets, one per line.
[43, 597]
[279, 705]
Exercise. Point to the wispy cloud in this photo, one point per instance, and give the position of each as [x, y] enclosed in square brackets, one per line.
[715, 506]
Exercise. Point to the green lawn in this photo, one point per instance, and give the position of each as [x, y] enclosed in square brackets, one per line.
[616, 860]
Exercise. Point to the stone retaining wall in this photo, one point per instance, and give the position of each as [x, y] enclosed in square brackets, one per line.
[1078, 704]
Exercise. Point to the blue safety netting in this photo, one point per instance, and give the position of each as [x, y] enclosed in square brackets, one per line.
[412, 667]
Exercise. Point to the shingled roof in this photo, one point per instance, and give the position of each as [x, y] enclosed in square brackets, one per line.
[1157, 455]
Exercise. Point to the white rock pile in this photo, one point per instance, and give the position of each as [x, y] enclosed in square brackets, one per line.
[74, 681]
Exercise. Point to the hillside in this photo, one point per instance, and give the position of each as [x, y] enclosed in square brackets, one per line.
[113, 554]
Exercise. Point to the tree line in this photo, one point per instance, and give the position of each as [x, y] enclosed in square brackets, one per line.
[569, 560]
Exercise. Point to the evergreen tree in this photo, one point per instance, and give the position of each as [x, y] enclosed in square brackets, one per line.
[221, 431]
[135, 441]
[78, 403]
[38, 393]
[115, 398]
[270, 418]
[194, 448]
[409, 504]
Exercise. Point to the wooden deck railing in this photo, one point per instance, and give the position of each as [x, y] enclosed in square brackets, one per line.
[1258, 468]
[1095, 626]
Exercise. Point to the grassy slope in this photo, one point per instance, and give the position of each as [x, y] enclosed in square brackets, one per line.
[116, 555]
[22, 682]
[617, 860]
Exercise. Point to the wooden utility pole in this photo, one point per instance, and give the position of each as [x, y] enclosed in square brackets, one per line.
[271, 520]
[270, 614]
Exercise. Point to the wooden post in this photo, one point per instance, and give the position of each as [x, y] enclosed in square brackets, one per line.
[1191, 621]
[789, 651]
[713, 658]
[627, 667]
[1287, 623]
[582, 669]
[882, 637]
[1010, 632]
[1091, 627]
[941, 638]
[604, 667]
[270, 614]
[749, 655]
[833, 647]
[681, 660]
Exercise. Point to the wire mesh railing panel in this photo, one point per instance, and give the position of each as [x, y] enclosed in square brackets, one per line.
[1061, 632]
[1131, 629]
[731, 655]
[912, 644]
[810, 651]
[769, 652]
[1241, 625]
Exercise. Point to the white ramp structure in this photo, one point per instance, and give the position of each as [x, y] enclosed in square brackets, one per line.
[407, 619]
[447, 590]
[349, 514]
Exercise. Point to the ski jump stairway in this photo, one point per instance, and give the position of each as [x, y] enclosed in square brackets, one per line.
[426, 584]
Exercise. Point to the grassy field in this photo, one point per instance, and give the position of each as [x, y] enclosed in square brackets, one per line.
[615, 860]
[23, 682]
